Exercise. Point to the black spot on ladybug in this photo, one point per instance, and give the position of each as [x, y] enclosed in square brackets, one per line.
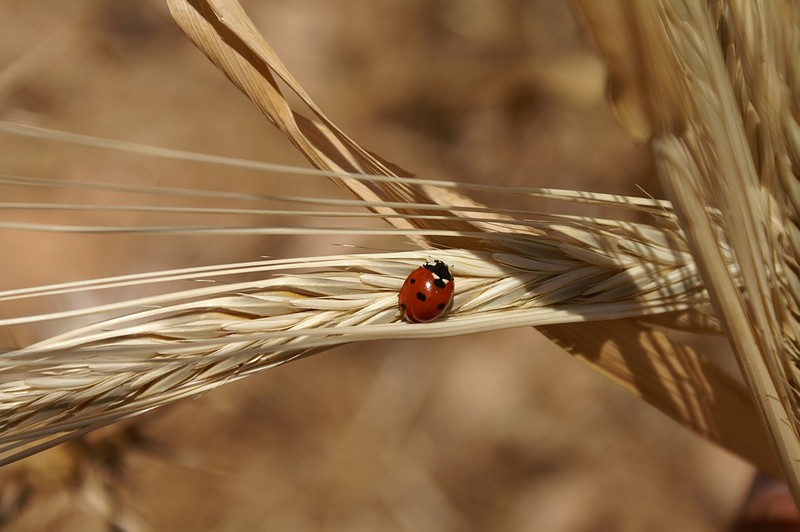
[421, 296]
[412, 281]
[440, 306]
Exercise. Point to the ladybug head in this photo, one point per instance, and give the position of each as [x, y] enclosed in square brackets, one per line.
[439, 269]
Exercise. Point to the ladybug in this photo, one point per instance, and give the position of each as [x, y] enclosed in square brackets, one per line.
[426, 293]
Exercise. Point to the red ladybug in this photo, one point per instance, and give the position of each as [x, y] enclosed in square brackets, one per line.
[426, 293]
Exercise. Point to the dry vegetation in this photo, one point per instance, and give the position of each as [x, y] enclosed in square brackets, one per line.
[408, 427]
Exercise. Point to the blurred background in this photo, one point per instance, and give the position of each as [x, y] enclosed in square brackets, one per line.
[498, 431]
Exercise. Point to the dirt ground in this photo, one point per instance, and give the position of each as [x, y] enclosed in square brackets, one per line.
[498, 431]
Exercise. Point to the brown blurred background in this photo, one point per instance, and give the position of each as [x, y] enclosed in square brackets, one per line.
[497, 431]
